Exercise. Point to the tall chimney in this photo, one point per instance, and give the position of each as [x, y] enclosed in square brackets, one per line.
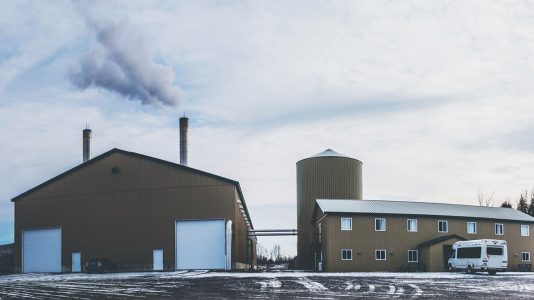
[184, 124]
[86, 144]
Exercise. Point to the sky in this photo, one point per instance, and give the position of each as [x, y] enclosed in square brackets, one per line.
[434, 97]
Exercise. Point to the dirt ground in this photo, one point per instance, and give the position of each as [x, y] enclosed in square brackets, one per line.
[218, 285]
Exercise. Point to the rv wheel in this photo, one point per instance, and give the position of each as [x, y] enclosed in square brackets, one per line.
[470, 270]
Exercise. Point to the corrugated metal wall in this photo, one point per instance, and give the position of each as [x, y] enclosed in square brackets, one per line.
[126, 214]
[363, 240]
[322, 178]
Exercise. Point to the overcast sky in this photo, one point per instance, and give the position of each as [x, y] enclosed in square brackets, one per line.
[434, 97]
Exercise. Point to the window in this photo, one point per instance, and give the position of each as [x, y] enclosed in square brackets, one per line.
[380, 254]
[499, 229]
[319, 231]
[443, 226]
[411, 225]
[346, 223]
[469, 252]
[380, 224]
[472, 227]
[494, 250]
[525, 230]
[346, 254]
[413, 256]
[525, 256]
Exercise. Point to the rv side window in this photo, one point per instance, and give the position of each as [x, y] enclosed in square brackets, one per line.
[494, 250]
[469, 252]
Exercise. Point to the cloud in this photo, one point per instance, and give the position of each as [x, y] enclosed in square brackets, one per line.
[121, 62]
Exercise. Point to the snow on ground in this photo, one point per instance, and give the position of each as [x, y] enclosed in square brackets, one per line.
[260, 275]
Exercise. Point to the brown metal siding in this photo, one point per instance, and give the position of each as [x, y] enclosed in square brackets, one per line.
[322, 178]
[123, 216]
[363, 240]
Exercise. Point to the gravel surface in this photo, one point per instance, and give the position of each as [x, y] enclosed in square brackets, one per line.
[217, 285]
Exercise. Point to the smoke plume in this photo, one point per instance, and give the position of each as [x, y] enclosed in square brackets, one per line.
[120, 62]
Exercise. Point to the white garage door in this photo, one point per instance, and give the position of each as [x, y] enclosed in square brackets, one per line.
[200, 245]
[41, 250]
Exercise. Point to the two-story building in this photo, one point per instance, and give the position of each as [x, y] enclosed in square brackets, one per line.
[376, 235]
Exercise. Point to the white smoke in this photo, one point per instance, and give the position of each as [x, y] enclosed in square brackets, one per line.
[120, 61]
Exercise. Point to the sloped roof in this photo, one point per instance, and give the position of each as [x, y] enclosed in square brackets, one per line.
[140, 156]
[328, 153]
[441, 239]
[385, 207]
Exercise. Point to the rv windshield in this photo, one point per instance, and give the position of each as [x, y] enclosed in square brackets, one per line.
[495, 251]
[453, 254]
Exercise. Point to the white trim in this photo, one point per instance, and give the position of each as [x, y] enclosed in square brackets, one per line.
[528, 229]
[502, 227]
[385, 254]
[345, 219]
[522, 253]
[385, 224]
[349, 250]
[469, 222]
[408, 225]
[416, 251]
[447, 225]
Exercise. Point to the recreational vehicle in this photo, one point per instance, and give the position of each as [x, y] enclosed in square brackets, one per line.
[479, 255]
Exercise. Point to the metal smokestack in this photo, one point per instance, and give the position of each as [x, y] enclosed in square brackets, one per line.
[184, 124]
[86, 144]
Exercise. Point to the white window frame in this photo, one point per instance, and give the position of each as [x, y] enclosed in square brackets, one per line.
[497, 225]
[408, 225]
[346, 219]
[468, 227]
[528, 230]
[347, 250]
[523, 256]
[385, 226]
[380, 250]
[417, 255]
[446, 225]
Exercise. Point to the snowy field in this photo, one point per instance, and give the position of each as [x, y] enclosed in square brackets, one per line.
[217, 285]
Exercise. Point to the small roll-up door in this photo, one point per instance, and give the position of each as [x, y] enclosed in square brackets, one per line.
[200, 244]
[41, 250]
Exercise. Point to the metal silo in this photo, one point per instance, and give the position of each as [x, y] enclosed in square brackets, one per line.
[327, 175]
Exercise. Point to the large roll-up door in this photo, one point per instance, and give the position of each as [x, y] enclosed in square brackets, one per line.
[200, 245]
[41, 250]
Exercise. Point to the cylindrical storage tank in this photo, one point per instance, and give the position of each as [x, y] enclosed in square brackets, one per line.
[327, 175]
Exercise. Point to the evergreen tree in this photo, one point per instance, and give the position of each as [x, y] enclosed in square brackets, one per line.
[531, 206]
[506, 204]
[522, 205]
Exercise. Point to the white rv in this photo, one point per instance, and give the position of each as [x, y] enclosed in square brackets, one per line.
[479, 255]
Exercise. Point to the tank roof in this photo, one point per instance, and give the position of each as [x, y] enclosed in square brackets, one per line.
[329, 152]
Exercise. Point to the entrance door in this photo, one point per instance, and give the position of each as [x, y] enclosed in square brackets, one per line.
[76, 262]
[447, 252]
[157, 260]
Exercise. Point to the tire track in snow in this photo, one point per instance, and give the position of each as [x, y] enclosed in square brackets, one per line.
[352, 286]
[418, 290]
[271, 284]
[311, 285]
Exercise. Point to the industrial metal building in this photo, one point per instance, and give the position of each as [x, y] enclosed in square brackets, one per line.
[140, 212]
[340, 232]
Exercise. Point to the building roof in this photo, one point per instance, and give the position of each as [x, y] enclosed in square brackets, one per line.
[441, 239]
[146, 157]
[385, 207]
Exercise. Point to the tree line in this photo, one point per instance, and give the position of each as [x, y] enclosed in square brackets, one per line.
[522, 205]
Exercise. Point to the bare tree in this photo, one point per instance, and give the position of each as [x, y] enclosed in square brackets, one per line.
[484, 200]
[276, 253]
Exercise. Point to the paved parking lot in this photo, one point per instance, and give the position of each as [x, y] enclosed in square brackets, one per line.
[216, 285]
